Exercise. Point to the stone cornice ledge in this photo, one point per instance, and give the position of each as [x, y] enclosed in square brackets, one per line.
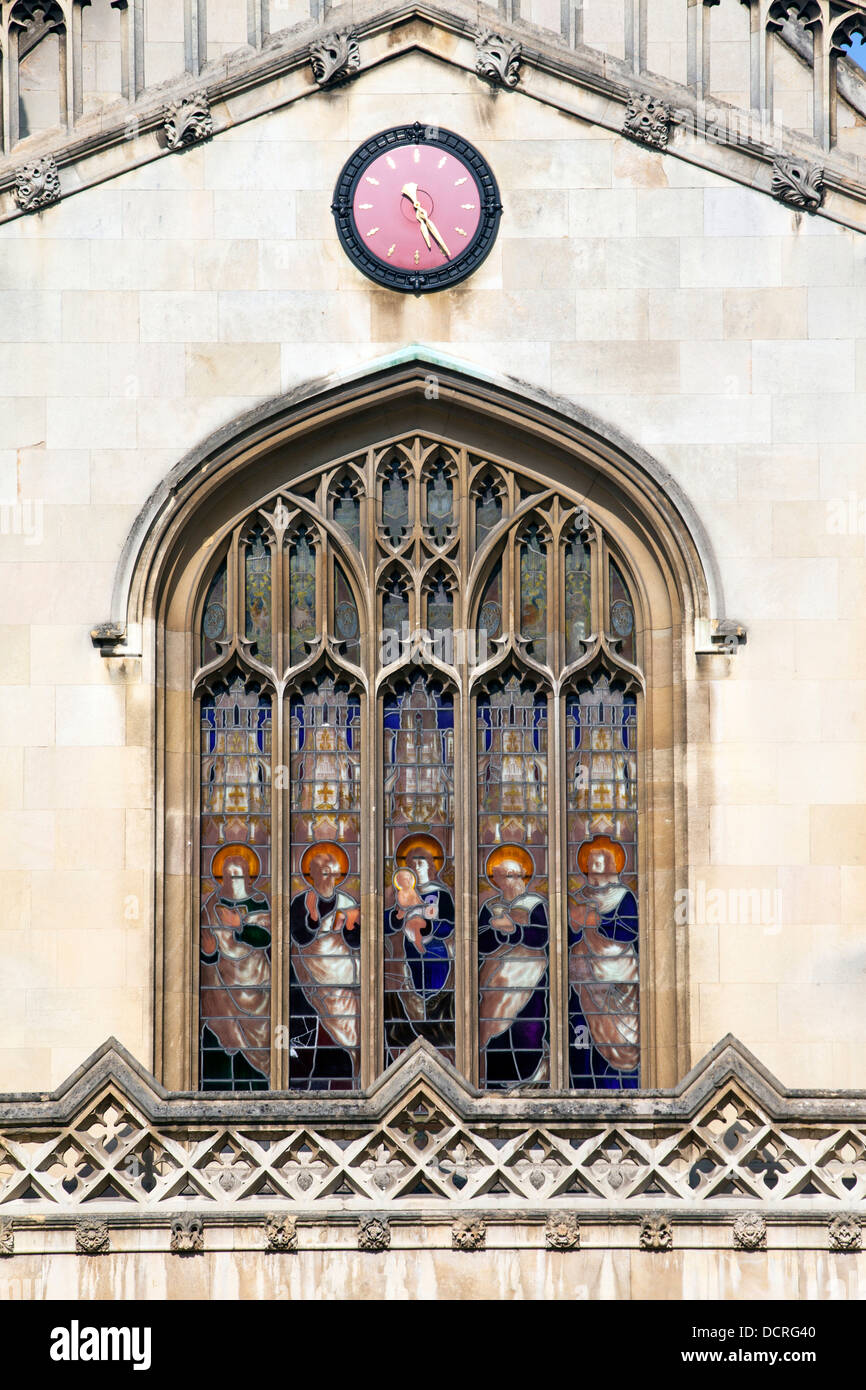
[581, 82]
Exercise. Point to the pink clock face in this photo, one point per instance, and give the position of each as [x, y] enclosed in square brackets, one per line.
[417, 207]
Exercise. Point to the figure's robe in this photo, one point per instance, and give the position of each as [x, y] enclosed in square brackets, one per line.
[325, 978]
[236, 979]
[603, 974]
[513, 983]
[419, 984]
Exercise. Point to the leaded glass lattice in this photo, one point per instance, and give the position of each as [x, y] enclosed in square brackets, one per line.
[513, 918]
[419, 916]
[324, 915]
[235, 914]
[601, 779]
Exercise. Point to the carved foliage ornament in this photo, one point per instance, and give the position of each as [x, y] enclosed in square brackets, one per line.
[187, 1235]
[798, 183]
[468, 1233]
[188, 121]
[7, 1237]
[845, 1233]
[281, 1233]
[37, 184]
[647, 119]
[750, 1232]
[336, 58]
[562, 1231]
[497, 59]
[374, 1234]
[91, 1238]
[656, 1233]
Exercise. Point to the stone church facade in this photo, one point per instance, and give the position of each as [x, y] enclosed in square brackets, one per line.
[433, 672]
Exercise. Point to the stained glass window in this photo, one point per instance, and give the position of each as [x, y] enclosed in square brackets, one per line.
[621, 612]
[513, 916]
[235, 913]
[601, 779]
[302, 597]
[413, 785]
[324, 913]
[213, 623]
[419, 912]
[533, 593]
[258, 594]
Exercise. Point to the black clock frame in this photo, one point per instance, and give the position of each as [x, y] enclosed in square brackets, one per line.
[412, 281]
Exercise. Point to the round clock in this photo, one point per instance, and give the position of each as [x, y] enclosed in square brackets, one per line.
[417, 208]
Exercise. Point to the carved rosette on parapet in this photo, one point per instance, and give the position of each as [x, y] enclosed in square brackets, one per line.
[497, 59]
[656, 1234]
[91, 1238]
[648, 120]
[188, 121]
[37, 184]
[798, 183]
[336, 58]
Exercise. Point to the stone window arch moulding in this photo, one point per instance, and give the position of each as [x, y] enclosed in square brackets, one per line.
[367, 831]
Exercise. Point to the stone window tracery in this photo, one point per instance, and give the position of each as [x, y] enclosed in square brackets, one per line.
[417, 678]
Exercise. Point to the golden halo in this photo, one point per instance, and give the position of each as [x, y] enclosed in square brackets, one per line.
[236, 851]
[517, 852]
[324, 847]
[427, 843]
[593, 846]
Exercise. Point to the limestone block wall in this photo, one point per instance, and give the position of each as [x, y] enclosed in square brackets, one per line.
[717, 329]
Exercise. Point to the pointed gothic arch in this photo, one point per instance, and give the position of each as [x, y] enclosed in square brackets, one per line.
[640, 577]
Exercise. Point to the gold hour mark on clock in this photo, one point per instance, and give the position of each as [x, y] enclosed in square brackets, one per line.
[460, 231]
[457, 182]
[416, 154]
[370, 179]
[467, 207]
[417, 257]
[365, 207]
[389, 161]
[372, 231]
[442, 161]
[392, 249]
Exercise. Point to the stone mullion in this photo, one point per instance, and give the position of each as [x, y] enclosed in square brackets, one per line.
[635, 35]
[372, 837]
[557, 864]
[195, 35]
[74, 66]
[698, 51]
[131, 46]
[823, 80]
[280, 823]
[465, 806]
[9, 47]
[571, 22]
[760, 59]
[257, 22]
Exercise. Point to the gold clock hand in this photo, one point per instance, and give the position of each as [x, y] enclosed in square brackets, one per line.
[434, 230]
[410, 191]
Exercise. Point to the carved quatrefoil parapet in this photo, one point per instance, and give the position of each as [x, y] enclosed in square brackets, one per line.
[750, 1232]
[336, 58]
[648, 120]
[91, 1238]
[798, 183]
[188, 121]
[845, 1234]
[37, 184]
[656, 1234]
[281, 1234]
[374, 1235]
[497, 59]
